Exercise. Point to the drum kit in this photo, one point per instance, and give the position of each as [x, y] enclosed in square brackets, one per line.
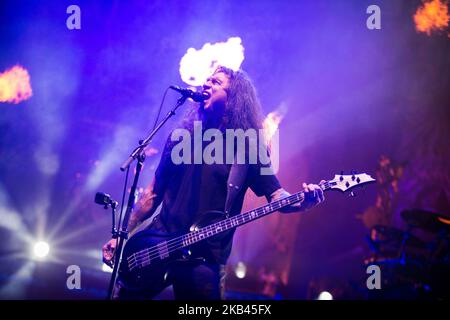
[415, 262]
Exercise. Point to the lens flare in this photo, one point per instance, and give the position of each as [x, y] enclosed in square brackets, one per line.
[241, 270]
[432, 16]
[325, 295]
[15, 85]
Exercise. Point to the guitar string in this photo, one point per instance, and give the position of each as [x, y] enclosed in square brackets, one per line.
[148, 254]
[144, 256]
[174, 244]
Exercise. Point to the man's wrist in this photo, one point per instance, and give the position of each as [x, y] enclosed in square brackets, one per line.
[282, 193]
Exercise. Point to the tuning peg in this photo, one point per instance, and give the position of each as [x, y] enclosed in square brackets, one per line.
[352, 194]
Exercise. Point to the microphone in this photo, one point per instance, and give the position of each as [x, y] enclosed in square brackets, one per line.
[105, 199]
[194, 95]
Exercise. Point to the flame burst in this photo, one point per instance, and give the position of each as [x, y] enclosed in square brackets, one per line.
[15, 85]
[432, 16]
[272, 122]
[197, 65]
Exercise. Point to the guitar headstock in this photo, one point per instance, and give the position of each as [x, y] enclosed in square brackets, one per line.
[345, 182]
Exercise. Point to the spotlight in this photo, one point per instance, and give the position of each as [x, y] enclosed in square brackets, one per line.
[240, 270]
[41, 249]
[325, 295]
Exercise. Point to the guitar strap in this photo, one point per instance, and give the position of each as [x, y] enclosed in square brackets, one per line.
[236, 179]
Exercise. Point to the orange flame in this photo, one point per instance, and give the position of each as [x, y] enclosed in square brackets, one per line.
[432, 16]
[15, 85]
[272, 122]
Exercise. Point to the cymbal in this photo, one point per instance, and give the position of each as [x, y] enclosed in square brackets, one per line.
[395, 261]
[387, 232]
[427, 220]
[394, 235]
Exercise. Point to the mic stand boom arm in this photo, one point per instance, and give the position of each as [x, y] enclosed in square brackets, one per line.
[139, 154]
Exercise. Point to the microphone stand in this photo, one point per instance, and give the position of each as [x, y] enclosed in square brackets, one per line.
[139, 154]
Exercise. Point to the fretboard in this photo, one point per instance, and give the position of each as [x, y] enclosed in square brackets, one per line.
[163, 249]
[243, 218]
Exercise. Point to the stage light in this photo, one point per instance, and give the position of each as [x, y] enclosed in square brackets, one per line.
[325, 295]
[18, 283]
[41, 249]
[240, 270]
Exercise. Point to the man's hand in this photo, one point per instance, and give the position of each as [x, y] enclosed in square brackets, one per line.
[313, 195]
[108, 252]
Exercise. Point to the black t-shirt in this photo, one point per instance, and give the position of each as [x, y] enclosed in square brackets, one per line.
[189, 191]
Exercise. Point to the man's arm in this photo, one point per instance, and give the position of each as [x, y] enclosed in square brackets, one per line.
[146, 206]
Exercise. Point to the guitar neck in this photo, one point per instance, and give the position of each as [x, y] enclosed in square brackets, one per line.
[246, 217]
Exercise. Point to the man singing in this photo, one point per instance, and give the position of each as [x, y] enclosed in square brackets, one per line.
[188, 191]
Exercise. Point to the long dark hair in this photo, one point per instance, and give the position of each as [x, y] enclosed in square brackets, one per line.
[242, 110]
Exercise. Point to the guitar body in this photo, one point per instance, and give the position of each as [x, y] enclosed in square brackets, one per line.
[151, 278]
[148, 257]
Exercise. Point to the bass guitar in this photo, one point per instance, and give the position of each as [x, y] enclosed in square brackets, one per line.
[148, 256]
